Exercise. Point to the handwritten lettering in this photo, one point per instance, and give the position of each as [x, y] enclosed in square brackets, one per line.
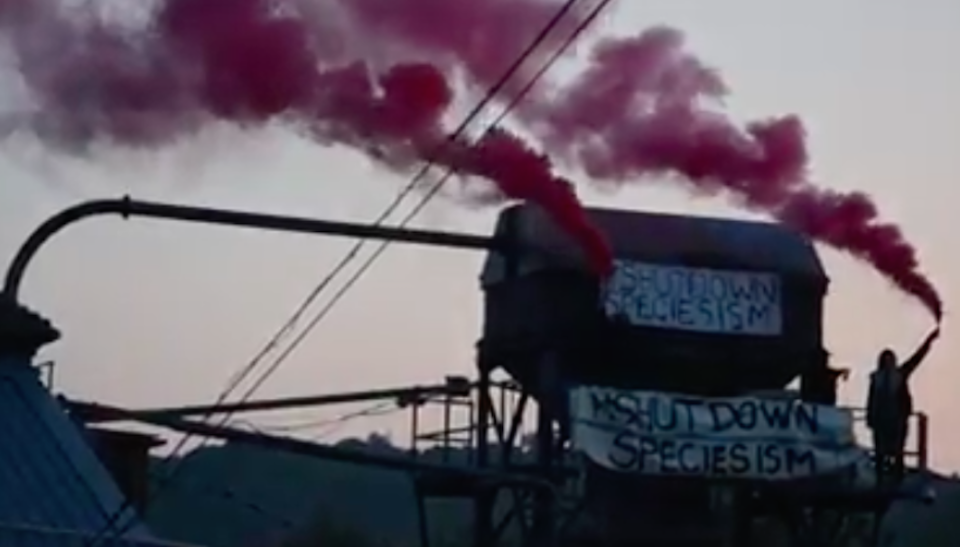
[695, 299]
[653, 412]
[661, 433]
[749, 459]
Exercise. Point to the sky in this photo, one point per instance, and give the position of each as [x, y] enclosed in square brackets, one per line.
[163, 314]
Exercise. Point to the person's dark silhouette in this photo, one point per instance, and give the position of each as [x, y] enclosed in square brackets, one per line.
[890, 405]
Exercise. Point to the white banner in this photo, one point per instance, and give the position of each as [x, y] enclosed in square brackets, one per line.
[695, 299]
[743, 437]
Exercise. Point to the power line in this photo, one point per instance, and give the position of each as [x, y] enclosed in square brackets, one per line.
[235, 381]
[234, 496]
[409, 188]
[331, 424]
[327, 423]
[428, 196]
[304, 306]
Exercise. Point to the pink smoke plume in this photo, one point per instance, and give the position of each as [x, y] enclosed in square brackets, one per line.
[645, 99]
[639, 109]
[379, 75]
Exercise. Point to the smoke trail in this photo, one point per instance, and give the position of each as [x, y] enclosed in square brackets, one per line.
[641, 108]
[379, 75]
[254, 61]
[638, 110]
[477, 37]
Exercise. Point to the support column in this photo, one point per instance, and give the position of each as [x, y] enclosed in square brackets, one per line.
[485, 502]
[743, 509]
[546, 509]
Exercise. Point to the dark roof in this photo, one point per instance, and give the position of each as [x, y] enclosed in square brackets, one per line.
[22, 329]
[53, 488]
[666, 238]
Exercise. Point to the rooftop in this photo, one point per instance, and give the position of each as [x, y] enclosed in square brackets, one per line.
[662, 237]
[54, 489]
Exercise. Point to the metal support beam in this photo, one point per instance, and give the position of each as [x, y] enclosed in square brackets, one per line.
[412, 393]
[127, 207]
[305, 448]
[484, 531]
[546, 507]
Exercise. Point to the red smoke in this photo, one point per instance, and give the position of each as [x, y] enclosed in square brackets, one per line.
[378, 75]
[255, 61]
[638, 110]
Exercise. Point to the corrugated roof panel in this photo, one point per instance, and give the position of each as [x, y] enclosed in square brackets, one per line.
[49, 475]
[43, 489]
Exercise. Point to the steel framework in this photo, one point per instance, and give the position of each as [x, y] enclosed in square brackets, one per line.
[481, 481]
[507, 475]
[513, 479]
[508, 480]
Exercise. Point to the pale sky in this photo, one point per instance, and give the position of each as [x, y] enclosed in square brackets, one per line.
[162, 314]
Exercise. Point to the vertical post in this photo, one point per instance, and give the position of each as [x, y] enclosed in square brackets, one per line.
[471, 431]
[502, 412]
[483, 515]
[546, 506]
[485, 530]
[743, 518]
[48, 367]
[447, 401]
[423, 525]
[414, 427]
[923, 440]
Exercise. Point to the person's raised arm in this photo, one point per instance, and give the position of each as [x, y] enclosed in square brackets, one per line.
[911, 364]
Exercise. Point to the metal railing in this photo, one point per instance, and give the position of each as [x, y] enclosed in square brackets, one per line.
[918, 442]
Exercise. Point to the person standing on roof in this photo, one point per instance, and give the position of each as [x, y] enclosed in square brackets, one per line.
[889, 406]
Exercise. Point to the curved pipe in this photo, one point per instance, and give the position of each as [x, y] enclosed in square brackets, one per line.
[48, 229]
[126, 207]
